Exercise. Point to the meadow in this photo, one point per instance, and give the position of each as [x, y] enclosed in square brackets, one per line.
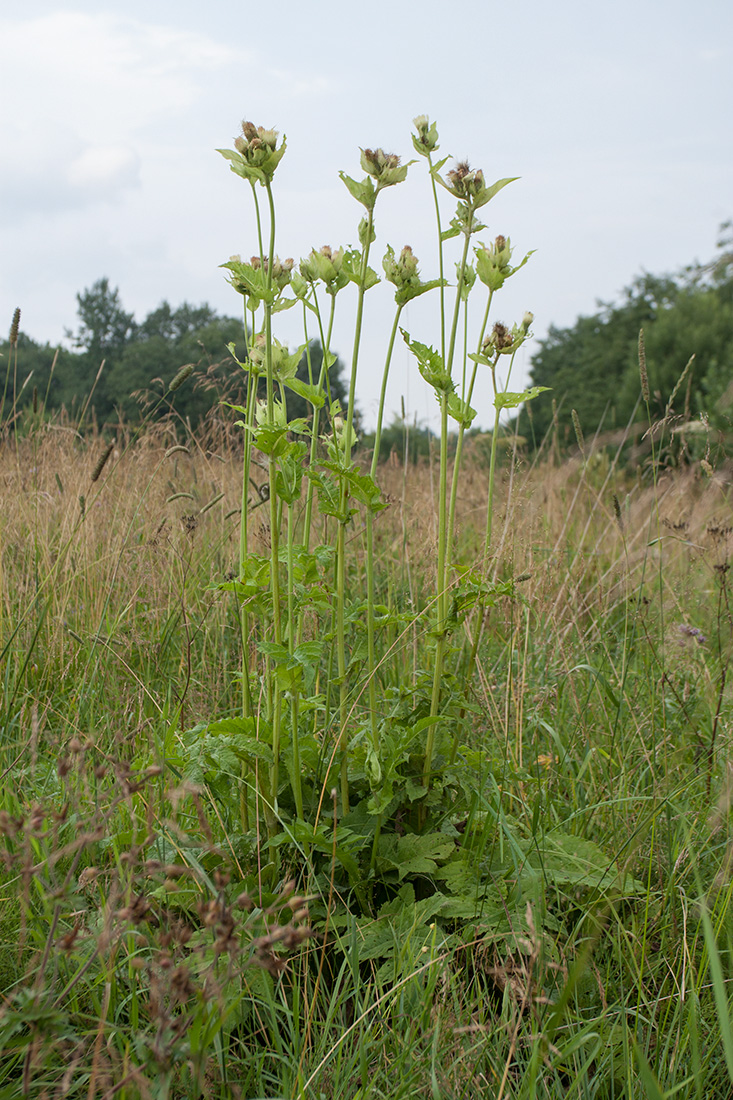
[329, 779]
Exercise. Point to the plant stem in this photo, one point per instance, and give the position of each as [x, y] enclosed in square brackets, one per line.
[341, 536]
[442, 578]
[371, 649]
[275, 692]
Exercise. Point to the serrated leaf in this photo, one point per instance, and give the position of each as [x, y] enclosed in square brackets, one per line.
[507, 400]
[414, 854]
[281, 304]
[460, 410]
[430, 364]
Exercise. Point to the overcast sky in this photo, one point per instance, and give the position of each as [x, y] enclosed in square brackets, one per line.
[617, 118]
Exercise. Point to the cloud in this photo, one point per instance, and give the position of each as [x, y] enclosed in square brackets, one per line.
[104, 169]
[87, 92]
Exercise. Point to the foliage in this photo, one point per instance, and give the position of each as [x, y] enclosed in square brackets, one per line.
[592, 366]
[332, 779]
[120, 370]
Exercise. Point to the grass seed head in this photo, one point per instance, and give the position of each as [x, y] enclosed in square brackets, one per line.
[14, 327]
[642, 368]
[102, 461]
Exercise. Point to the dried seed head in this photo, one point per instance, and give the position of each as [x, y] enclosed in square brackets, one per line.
[617, 513]
[14, 326]
[102, 461]
[180, 377]
[578, 430]
[642, 369]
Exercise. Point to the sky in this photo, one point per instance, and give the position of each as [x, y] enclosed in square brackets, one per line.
[616, 117]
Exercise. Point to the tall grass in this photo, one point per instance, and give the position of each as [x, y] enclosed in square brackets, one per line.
[329, 779]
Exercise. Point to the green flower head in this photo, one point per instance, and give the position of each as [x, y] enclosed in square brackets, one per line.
[426, 139]
[465, 182]
[256, 154]
[493, 262]
[385, 168]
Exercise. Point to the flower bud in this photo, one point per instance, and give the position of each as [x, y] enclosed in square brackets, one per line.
[385, 168]
[326, 265]
[281, 270]
[257, 351]
[464, 182]
[403, 271]
[469, 278]
[499, 340]
[426, 139]
[493, 262]
[257, 155]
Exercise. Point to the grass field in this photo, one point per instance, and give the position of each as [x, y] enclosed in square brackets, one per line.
[548, 915]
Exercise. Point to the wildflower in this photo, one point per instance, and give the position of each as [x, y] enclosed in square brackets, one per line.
[403, 271]
[327, 265]
[692, 632]
[466, 183]
[256, 154]
[499, 340]
[426, 140]
[385, 168]
[493, 263]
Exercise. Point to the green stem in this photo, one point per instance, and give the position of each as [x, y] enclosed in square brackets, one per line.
[462, 428]
[341, 537]
[371, 646]
[297, 786]
[440, 257]
[276, 712]
[442, 600]
[325, 344]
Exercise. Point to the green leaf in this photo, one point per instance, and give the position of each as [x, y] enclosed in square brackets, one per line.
[413, 854]
[281, 304]
[313, 394]
[430, 364]
[408, 292]
[720, 993]
[460, 410]
[507, 400]
[488, 192]
[651, 1085]
[364, 191]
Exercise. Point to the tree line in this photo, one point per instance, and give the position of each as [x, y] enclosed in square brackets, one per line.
[119, 369]
[592, 367]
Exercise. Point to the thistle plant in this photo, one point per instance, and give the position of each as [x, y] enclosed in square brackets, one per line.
[316, 709]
